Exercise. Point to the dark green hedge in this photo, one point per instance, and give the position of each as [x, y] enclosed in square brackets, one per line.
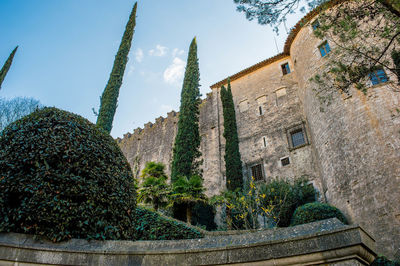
[62, 177]
[152, 226]
[383, 261]
[316, 211]
[203, 214]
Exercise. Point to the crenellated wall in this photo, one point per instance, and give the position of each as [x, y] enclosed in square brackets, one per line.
[352, 146]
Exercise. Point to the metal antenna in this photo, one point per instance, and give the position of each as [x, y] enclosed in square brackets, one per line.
[276, 45]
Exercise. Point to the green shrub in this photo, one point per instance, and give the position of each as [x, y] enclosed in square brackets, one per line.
[284, 197]
[152, 226]
[383, 261]
[316, 211]
[203, 215]
[62, 177]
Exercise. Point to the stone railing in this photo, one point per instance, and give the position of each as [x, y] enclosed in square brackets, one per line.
[326, 242]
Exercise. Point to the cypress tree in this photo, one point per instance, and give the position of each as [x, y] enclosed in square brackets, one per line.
[233, 163]
[7, 65]
[109, 99]
[187, 141]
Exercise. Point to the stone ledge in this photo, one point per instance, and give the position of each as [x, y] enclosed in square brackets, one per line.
[326, 241]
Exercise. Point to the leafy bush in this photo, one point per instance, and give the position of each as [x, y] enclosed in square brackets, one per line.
[282, 197]
[383, 261]
[154, 188]
[316, 211]
[203, 215]
[152, 226]
[62, 177]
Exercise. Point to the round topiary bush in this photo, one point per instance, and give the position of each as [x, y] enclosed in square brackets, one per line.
[316, 211]
[62, 177]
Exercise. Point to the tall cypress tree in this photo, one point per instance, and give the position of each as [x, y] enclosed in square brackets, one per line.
[187, 141]
[7, 65]
[233, 163]
[109, 99]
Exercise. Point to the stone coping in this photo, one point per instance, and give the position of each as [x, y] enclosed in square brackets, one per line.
[325, 241]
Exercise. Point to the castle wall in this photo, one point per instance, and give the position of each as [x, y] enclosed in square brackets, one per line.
[155, 143]
[356, 140]
[277, 96]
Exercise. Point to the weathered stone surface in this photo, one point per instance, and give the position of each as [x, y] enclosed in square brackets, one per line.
[352, 153]
[325, 242]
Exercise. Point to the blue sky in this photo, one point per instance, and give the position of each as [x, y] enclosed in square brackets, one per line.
[66, 51]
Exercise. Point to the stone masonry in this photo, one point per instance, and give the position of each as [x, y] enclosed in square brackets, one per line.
[350, 149]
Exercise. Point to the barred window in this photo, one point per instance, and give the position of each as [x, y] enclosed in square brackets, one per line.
[297, 138]
[256, 172]
[285, 161]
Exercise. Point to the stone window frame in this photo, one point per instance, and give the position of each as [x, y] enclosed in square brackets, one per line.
[380, 79]
[250, 171]
[247, 104]
[325, 47]
[283, 158]
[264, 142]
[315, 25]
[261, 108]
[300, 126]
[283, 68]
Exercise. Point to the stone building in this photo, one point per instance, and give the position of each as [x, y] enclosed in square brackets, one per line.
[350, 150]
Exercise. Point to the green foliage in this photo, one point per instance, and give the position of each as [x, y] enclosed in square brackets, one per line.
[154, 169]
[316, 211]
[383, 261]
[276, 200]
[6, 66]
[187, 141]
[396, 61]
[186, 193]
[285, 196]
[154, 189]
[203, 215]
[152, 226]
[242, 207]
[353, 59]
[109, 98]
[233, 163]
[62, 177]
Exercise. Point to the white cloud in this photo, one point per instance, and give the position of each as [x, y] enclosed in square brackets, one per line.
[177, 52]
[139, 55]
[131, 69]
[158, 51]
[174, 72]
[166, 107]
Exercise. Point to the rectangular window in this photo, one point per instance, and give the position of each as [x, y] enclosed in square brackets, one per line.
[285, 161]
[265, 142]
[324, 48]
[256, 172]
[260, 110]
[315, 24]
[378, 76]
[285, 68]
[297, 138]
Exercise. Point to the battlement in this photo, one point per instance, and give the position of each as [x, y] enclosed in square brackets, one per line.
[159, 123]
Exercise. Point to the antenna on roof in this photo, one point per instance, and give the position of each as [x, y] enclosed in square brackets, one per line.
[276, 45]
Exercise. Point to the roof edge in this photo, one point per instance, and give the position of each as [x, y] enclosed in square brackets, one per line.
[288, 43]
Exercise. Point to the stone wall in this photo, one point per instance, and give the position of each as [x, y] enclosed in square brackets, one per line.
[321, 243]
[352, 149]
[357, 145]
